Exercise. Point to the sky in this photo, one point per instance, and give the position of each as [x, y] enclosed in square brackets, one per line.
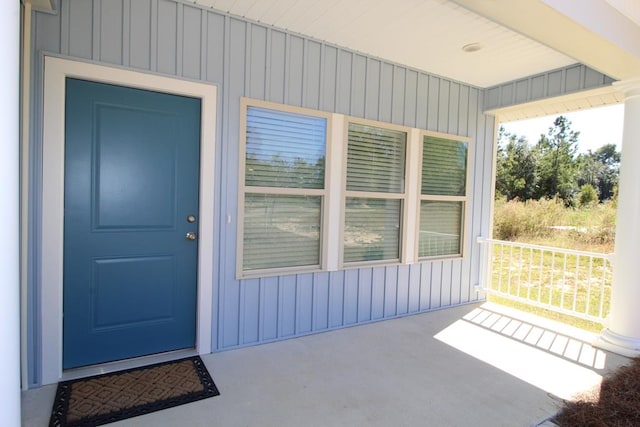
[597, 126]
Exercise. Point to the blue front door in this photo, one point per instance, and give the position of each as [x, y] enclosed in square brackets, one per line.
[131, 198]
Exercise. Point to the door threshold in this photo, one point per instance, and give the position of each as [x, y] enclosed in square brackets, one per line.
[121, 365]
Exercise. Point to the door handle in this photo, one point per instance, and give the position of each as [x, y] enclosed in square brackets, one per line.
[191, 235]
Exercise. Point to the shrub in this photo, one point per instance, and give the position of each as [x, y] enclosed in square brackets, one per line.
[549, 222]
[533, 218]
[587, 195]
[597, 225]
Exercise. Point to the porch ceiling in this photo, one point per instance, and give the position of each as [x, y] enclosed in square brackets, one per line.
[424, 34]
[518, 39]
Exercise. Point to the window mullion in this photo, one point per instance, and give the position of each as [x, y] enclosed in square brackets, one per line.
[412, 190]
[443, 198]
[333, 209]
[285, 191]
[375, 195]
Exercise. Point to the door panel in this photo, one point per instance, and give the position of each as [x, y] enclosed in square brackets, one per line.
[136, 168]
[148, 283]
[131, 181]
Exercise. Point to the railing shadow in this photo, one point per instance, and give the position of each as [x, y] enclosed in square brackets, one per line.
[549, 355]
[559, 344]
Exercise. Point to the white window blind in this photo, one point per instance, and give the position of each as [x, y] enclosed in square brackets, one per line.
[444, 167]
[284, 149]
[443, 196]
[281, 231]
[375, 159]
[440, 228]
[372, 229]
[375, 185]
[284, 189]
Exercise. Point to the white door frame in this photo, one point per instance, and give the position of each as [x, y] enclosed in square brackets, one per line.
[55, 72]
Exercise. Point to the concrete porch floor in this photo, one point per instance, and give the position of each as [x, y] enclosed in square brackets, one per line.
[474, 365]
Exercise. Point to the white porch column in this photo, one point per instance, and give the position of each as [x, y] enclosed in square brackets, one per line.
[9, 215]
[622, 334]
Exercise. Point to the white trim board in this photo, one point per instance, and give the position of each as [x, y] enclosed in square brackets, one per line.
[55, 72]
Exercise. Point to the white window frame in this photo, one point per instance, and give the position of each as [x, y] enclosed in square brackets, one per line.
[245, 104]
[404, 197]
[466, 205]
[335, 194]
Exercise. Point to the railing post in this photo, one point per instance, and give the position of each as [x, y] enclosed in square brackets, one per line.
[485, 267]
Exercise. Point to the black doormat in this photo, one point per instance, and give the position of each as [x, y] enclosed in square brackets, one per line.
[107, 398]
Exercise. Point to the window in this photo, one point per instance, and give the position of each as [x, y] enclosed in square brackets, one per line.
[321, 191]
[282, 188]
[375, 191]
[443, 196]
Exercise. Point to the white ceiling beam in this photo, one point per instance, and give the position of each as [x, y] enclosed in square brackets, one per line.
[593, 98]
[590, 31]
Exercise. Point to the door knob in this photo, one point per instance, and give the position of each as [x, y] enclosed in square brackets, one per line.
[191, 235]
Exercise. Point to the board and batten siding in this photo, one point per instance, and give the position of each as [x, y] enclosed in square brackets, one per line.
[562, 81]
[248, 59]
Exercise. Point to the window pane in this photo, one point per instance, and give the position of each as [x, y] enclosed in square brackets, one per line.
[440, 227]
[444, 167]
[284, 149]
[372, 230]
[375, 159]
[281, 231]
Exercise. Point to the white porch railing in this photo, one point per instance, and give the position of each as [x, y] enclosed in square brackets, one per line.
[567, 281]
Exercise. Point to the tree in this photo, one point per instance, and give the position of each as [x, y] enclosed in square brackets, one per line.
[516, 167]
[552, 169]
[609, 156]
[589, 171]
[557, 165]
[600, 169]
